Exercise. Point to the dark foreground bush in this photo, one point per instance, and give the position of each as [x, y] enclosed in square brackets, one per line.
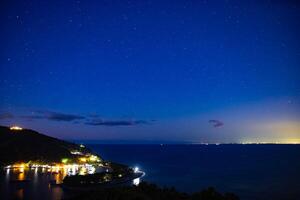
[146, 191]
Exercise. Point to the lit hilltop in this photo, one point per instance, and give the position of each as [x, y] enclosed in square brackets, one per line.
[20, 146]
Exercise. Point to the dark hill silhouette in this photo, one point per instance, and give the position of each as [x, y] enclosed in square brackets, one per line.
[28, 145]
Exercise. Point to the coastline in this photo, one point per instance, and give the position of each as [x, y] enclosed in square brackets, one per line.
[116, 182]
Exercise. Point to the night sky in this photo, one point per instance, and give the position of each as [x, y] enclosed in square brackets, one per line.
[152, 71]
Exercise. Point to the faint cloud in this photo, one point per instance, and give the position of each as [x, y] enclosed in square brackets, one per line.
[6, 116]
[93, 120]
[54, 116]
[101, 122]
[216, 123]
[93, 115]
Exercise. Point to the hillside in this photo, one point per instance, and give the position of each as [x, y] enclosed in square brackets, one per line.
[27, 145]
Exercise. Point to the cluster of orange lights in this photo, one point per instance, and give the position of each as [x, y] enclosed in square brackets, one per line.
[89, 159]
[49, 168]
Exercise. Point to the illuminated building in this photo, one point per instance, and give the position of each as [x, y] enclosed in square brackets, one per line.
[16, 128]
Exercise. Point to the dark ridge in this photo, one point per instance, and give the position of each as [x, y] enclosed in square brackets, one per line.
[28, 145]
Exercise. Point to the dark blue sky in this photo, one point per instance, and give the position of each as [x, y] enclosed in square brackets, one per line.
[152, 70]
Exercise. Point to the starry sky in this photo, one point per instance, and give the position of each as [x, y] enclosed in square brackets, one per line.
[152, 71]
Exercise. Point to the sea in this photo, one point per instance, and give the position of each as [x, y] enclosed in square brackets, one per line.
[251, 171]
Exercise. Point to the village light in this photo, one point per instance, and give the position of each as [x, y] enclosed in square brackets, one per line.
[64, 160]
[16, 128]
[76, 152]
[136, 181]
[93, 158]
[136, 169]
[83, 159]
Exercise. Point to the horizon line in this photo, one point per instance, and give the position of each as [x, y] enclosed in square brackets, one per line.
[118, 142]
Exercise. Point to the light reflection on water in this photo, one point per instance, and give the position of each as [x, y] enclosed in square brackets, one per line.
[31, 184]
[35, 183]
[55, 174]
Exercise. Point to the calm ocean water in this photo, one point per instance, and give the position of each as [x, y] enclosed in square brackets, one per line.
[251, 171]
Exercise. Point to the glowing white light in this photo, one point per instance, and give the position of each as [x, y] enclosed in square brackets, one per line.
[91, 170]
[136, 181]
[76, 153]
[136, 169]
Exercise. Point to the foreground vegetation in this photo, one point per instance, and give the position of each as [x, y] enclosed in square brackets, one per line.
[146, 191]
